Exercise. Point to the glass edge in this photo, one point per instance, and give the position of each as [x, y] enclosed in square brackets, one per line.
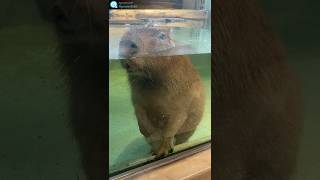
[136, 170]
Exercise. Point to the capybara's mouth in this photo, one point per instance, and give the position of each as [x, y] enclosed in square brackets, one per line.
[132, 68]
[129, 65]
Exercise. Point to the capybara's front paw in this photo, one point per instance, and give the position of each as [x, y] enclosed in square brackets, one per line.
[165, 147]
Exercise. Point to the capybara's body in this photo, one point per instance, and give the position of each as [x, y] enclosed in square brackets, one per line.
[256, 99]
[167, 92]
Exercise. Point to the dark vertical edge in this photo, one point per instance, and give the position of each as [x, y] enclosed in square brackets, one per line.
[212, 71]
[107, 80]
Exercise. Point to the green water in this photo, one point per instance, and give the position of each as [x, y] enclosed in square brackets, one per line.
[127, 144]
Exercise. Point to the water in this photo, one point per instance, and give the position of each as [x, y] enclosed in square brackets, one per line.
[187, 40]
[127, 145]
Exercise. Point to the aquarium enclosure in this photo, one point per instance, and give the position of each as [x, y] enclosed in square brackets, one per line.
[154, 31]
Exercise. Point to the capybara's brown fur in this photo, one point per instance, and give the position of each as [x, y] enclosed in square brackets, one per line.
[256, 99]
[166, 91]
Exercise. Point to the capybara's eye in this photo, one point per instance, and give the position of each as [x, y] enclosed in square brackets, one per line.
[162, 36]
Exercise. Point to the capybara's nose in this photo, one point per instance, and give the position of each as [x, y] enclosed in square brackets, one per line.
[127, 48]
[128, 44]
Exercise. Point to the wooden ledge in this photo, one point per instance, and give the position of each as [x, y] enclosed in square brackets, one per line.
[195, 167]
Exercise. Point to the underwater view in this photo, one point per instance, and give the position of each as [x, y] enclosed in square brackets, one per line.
[127, 145]
[159, 83]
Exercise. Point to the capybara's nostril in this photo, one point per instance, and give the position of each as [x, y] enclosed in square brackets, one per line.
[128, 44]
[133, 45]
[128, 48]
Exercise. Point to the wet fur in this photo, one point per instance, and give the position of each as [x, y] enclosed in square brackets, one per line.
[168, 99]
[256, 99]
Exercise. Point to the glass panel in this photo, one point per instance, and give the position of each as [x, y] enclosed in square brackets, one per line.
[189, 29]
[158, 60]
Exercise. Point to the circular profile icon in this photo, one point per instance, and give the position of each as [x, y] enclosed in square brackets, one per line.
[113, 4]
